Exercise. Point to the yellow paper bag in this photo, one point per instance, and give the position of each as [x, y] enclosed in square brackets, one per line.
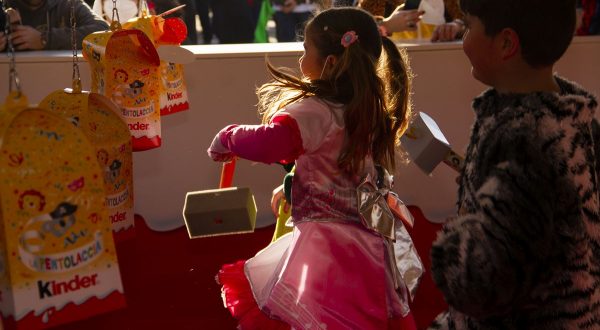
[125, 68]
[164, 32]
[58, 259]
[97, 117]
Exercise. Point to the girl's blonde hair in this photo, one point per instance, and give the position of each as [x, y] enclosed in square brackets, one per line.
[375, 88]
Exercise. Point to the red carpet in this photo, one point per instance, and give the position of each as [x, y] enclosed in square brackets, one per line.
[169, 279]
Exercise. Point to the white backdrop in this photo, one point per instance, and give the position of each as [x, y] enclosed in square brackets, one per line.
[221, 82]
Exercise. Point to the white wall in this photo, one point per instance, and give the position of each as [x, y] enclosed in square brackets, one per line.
[221, 82]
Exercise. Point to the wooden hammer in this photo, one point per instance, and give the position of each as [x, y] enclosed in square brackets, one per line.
[223, 211]
[427, 146]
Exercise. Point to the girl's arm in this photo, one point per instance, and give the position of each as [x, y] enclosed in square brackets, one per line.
[279, 141]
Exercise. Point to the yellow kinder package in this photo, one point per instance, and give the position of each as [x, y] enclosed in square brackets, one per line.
[125, 68]
[57, 256]
[167, 35]
[433, 16]
[97, 117]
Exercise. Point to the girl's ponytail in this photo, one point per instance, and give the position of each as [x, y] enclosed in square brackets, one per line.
[395, 72]
[370, 77]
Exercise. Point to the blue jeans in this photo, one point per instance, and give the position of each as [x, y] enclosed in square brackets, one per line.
[290, 27]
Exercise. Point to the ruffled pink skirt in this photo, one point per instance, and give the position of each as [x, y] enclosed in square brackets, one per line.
[309, 280]
[238, 298]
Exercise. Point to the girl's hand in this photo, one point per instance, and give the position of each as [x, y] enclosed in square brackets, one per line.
[402, 20]
[278, 198]
[275, 199]
[25, 37]
[218, 152]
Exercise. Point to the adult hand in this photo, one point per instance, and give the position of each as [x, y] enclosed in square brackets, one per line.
[25, 37]
[288, 6]
[3, 42]
[402, 20]
[14, 17]
[447, 31]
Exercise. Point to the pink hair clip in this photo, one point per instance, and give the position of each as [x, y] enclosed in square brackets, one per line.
[349, 38]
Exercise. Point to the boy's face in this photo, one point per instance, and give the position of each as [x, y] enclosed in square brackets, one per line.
[481, 50]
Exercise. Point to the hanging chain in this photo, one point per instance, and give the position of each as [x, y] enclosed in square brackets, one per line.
[115, 23]
[13, 76]
[76, 75]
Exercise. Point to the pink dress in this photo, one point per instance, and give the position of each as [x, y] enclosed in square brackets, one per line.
[331, 272]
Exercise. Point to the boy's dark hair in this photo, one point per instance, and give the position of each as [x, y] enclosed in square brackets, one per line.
[545, 27]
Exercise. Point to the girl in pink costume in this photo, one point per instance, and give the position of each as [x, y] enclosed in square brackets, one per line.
[344, 264]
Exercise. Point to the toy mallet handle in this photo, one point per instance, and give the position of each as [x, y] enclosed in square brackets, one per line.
[454, 160]
[227, 174]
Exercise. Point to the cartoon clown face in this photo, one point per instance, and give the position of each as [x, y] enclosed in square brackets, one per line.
[121, 76]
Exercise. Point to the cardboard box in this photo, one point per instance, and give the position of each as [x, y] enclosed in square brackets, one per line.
[219, 212]
[425, 143]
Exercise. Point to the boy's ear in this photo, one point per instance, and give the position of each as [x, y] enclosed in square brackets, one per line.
[510, 43]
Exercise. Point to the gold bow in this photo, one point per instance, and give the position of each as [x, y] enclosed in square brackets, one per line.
[379, 209]
[374, 211]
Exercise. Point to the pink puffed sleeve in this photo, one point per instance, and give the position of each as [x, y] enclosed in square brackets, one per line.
[315, 120]
[280, 141]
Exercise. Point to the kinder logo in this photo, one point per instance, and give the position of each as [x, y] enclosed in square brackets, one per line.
[54, 288]
[118, 217]
[174, 96]
[138, 126]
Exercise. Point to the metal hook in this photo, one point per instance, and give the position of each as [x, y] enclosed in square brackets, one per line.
[13, 76]
[76, 84]
[115, 12]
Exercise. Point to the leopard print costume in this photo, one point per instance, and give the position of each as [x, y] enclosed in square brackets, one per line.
[524, 251]
[378, 7]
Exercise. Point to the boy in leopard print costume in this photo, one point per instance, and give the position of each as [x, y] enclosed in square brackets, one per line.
[524, 250]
